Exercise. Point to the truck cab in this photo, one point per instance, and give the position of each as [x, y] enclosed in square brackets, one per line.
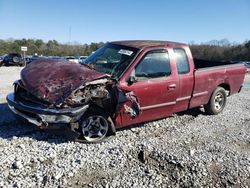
[162, 79]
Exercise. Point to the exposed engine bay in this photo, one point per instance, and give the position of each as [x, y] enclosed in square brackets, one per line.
[103, 93]
[106, 94]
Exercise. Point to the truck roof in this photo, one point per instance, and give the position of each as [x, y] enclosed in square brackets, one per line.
[147, 43]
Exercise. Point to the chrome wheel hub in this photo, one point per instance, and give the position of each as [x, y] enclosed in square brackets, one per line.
[219, 101]
[94, 128]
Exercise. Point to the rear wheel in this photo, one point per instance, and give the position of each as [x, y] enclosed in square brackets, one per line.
[96, 126]
[217, 101]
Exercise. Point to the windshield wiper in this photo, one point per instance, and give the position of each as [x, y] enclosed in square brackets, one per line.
[89, 66]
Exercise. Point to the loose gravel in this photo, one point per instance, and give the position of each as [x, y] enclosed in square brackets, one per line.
[188, 149]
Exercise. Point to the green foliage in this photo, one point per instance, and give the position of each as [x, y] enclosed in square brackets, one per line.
[221, 50]
[213, 50]
[50, 48]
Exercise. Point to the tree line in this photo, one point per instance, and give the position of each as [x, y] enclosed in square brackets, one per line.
[221, 50]
[50, 48]
[213, 50]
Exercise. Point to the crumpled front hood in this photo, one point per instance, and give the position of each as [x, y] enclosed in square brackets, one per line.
[54, 80]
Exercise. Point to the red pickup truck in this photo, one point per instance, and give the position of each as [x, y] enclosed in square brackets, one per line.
[121, 84]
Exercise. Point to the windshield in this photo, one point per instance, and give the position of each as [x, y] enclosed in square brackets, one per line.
[112, 59]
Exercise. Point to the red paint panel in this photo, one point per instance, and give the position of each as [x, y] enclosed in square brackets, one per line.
[54, 80]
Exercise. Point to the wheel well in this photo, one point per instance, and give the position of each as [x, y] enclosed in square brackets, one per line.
[95, 108]
[226, 87]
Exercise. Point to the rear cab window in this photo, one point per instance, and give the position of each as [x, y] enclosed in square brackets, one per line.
[181, 61]
[154, 64]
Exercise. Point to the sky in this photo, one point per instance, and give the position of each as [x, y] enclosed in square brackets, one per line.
[86, 21]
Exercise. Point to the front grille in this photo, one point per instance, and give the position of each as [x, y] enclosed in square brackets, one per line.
[23, 95]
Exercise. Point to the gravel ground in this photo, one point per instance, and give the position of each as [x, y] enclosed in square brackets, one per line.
[188, 149]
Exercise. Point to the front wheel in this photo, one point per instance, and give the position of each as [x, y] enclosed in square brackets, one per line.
[217, 101]
[96, 126]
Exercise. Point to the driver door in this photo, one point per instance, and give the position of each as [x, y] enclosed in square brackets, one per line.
[155, 87]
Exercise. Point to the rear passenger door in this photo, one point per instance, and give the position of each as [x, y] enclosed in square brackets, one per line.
[156, 85]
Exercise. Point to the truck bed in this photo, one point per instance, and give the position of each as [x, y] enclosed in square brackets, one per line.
[201, 63]
[211, 74]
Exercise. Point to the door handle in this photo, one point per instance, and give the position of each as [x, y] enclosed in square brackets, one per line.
[172, 86]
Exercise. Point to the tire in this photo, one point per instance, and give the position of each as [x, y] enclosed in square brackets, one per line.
[95, 126]
[16, 59]
[217, 102]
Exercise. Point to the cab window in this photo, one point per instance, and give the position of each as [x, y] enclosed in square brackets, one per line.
[181, 61]
[154, 64]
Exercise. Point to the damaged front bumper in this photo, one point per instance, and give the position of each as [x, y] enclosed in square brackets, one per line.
[44, 116]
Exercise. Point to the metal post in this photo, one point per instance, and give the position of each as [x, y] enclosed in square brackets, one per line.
[24, 58]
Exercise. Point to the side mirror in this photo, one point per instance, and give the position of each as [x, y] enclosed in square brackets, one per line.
[131, 79]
